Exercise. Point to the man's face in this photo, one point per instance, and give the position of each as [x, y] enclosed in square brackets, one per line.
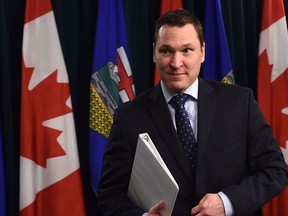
[178, 56]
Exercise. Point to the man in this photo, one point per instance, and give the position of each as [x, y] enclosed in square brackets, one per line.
[237, 167]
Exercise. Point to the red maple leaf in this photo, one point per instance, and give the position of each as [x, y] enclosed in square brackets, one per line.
[273, 98]
[280, 102]
[45, 101]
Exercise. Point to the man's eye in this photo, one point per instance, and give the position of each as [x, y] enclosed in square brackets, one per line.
[165, 51]
[187, 50]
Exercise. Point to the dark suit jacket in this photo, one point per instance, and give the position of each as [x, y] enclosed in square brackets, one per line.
[237, 153]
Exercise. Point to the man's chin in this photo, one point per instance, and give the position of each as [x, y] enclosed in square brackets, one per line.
[177, 88]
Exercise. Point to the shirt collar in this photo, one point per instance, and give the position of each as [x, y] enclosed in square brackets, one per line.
[191, 90]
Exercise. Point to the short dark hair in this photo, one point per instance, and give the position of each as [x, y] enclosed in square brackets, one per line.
[179, 17]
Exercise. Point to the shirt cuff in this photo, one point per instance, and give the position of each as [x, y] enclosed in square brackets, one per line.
[145, 214]
[228, 207]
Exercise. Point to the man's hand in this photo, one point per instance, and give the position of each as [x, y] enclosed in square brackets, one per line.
[210, 204]
[155, 210]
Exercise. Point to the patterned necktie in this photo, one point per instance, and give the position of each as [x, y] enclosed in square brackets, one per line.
[184, 129]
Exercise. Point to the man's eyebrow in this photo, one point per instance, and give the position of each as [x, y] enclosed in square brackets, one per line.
[165, 46]
[187, 45]
[182, 46]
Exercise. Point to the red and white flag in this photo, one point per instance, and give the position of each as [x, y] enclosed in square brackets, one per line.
[50, 178]
[273, 85]
[167, 5]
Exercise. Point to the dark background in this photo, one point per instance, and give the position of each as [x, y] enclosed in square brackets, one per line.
[76, 22]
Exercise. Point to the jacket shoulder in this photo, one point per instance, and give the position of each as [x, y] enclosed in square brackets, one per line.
[223, 88]
[140, 100]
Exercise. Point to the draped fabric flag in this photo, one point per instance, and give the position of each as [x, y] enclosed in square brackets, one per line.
[111, 79]
[167, 5]
[2, 177]
[273, 85]
[50, 178]
[217, 64]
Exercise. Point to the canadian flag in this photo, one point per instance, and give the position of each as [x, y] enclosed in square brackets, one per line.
[167, 5]
[273, 85]
[50, 178]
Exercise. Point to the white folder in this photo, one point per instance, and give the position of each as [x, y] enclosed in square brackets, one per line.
[151, 181]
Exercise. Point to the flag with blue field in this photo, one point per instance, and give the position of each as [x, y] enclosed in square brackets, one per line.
[217, 64]
[111, 79]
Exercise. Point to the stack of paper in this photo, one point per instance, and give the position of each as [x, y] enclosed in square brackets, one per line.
[151, 181]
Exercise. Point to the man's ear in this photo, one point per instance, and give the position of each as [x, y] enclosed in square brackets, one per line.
[203, 51]
[154, 58]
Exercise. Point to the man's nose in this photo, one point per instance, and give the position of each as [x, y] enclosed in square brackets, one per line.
[176, 61]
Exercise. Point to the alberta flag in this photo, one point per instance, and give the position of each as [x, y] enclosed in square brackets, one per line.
[217, 64]
[111, 79]
[273, 85]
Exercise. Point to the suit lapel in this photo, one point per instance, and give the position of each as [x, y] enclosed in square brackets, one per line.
[161, 116]
[206, 111]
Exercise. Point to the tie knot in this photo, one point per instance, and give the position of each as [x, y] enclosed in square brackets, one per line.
[178, 101]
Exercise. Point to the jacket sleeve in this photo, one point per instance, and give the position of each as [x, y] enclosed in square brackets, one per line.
[112, 198]
[266, 169]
